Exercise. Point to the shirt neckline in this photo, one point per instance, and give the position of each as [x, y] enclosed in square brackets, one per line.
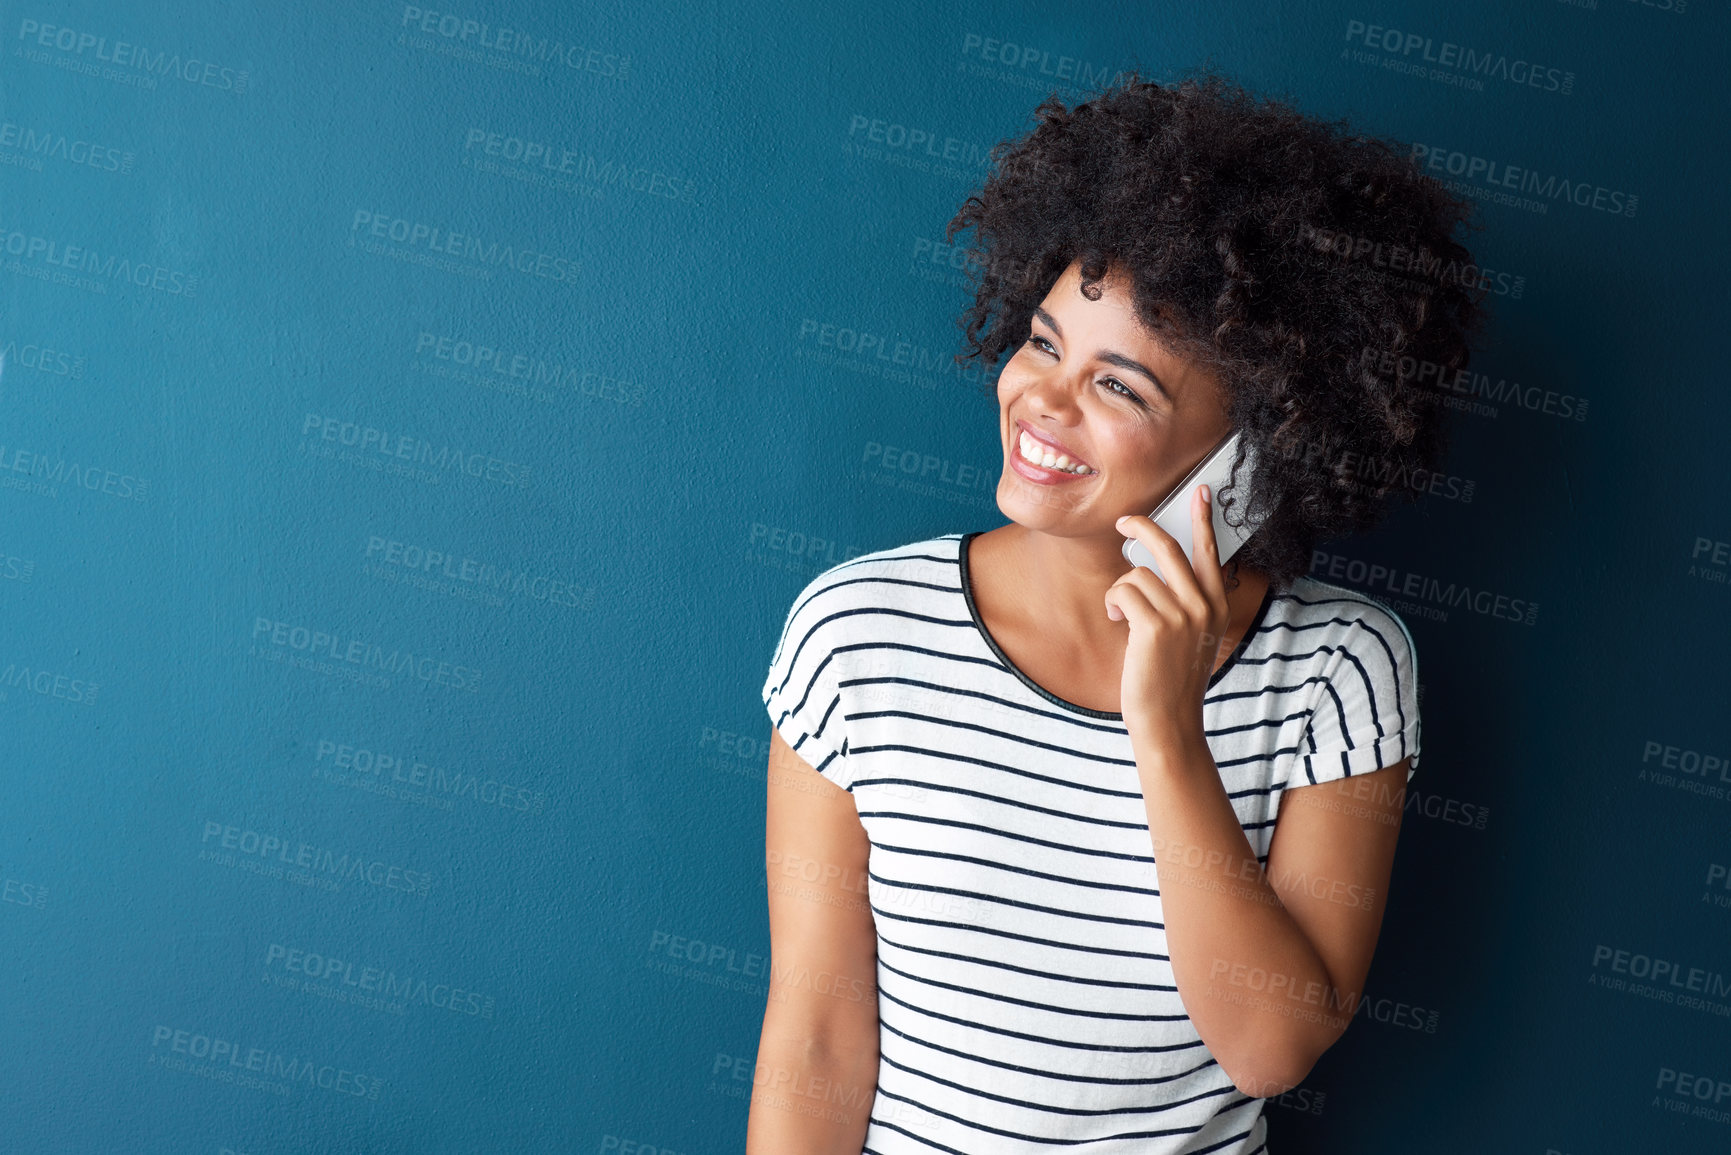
[1073, 707]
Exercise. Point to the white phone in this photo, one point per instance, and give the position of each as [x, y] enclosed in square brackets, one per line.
[1173, 514]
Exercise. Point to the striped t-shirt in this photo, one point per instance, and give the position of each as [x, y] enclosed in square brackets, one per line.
[1026, 1001]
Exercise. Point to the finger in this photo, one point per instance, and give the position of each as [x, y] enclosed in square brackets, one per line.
[1161, 597]
[1175, 568]
[1166, 616]
[1210, 577]
[1132, 604]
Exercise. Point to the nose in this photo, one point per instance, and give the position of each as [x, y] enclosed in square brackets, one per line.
[1054, 391]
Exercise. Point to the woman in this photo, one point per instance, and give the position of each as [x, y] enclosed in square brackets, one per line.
[1062, 854]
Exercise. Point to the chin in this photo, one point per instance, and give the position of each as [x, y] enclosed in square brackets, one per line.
[1037, 506]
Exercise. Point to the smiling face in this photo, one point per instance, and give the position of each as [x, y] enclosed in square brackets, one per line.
[1093, 383]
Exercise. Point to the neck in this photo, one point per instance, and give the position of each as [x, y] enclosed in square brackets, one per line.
[1057, 585]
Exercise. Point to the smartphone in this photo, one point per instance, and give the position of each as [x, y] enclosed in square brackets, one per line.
[1173, 514]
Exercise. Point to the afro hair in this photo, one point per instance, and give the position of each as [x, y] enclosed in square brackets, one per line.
[1313, 268]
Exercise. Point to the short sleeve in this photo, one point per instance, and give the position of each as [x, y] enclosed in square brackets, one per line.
[802, 691]
[1366, 716]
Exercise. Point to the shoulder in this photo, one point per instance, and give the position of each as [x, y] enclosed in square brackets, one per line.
[888, 578]
[882, 574]
[1346, 621]
[1356, 651]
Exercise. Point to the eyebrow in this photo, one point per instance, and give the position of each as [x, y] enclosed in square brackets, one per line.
[1109, 357]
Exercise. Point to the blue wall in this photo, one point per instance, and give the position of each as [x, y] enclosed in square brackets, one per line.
[412, 436]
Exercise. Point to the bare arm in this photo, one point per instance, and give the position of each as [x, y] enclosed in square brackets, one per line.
[1271, 963]
[817, 1058]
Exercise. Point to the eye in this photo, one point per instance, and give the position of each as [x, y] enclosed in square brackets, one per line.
[1128, 392]
[1046, 346]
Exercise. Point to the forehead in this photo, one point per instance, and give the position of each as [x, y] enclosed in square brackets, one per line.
[1112, 323]
[1109, 303]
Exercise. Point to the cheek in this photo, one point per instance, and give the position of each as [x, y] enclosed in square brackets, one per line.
[1131, 454]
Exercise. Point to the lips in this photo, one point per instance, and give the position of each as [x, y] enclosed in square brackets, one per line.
[1051, 442]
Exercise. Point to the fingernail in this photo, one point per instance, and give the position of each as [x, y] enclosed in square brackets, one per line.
[1122, 520]
[1206, 496]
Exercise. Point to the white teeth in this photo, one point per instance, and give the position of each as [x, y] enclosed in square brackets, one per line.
[1034, 451]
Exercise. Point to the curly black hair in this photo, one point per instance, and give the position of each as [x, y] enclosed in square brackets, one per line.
[1315, 269]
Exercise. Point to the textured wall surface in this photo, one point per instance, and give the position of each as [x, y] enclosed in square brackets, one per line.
[415, 423]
